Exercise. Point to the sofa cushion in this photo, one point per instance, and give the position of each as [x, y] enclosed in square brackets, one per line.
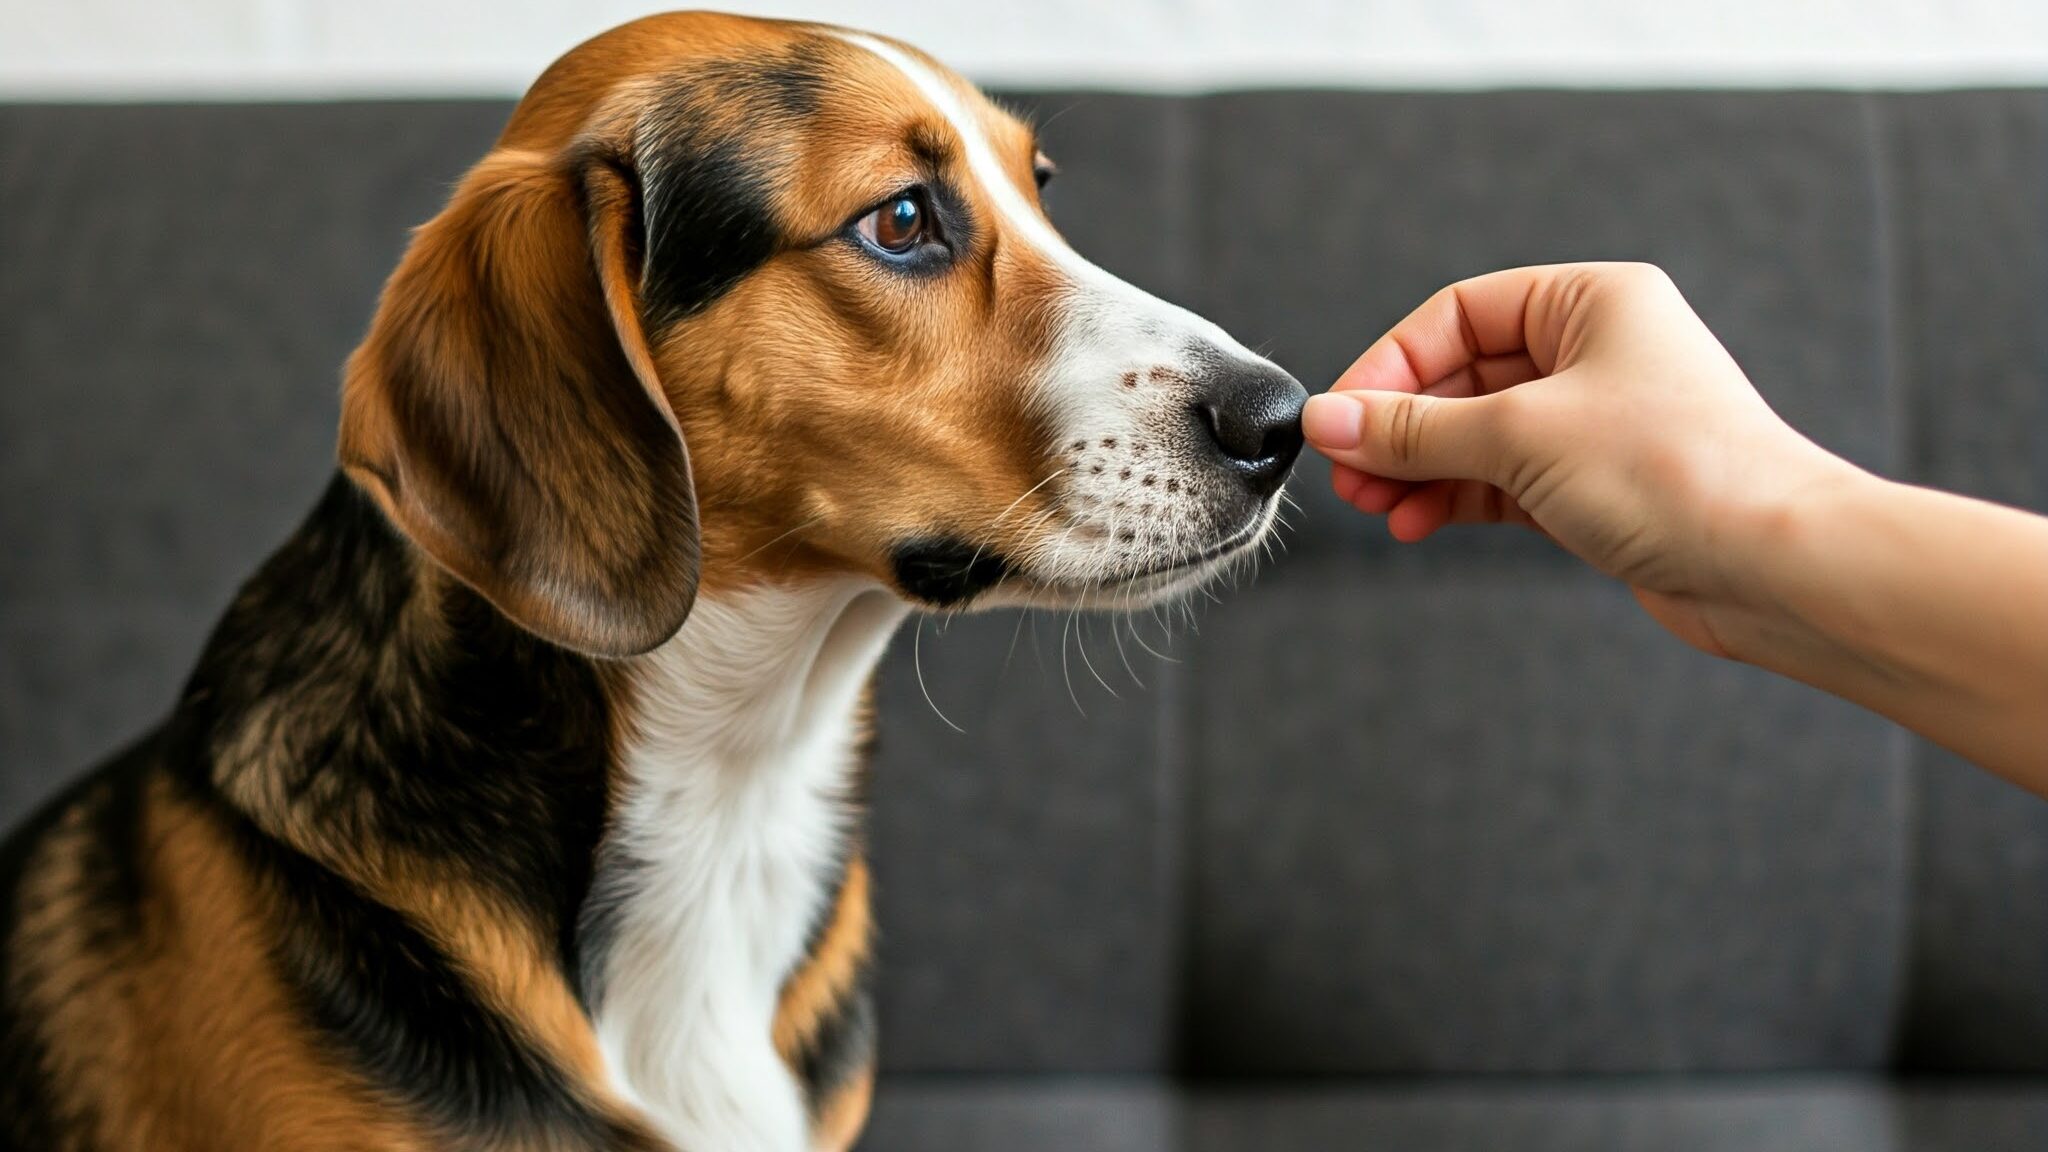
[1789, 1114]
[1591, 850]
[977, 1114]
[1532, 834]
[1968, 173]
[1461, 807]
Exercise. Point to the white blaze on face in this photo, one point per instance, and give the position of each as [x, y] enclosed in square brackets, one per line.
[1091, 284]
[1117, 388]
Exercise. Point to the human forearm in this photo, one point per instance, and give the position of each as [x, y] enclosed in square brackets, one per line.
[1590, 401]
[1926, 607]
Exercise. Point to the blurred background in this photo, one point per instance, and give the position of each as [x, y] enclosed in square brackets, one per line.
[1431, 848]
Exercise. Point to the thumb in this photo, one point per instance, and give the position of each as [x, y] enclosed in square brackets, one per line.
[1404, 436]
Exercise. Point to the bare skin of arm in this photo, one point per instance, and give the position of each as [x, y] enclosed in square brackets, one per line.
[1589, 402]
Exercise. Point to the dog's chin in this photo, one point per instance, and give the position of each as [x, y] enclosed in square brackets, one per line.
[1115, 595]
[948, 575]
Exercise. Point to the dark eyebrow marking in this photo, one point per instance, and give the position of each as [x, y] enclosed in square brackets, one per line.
[933, 149]
[705, 189]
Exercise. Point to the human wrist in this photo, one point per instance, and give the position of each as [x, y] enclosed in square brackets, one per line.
[1785, 603]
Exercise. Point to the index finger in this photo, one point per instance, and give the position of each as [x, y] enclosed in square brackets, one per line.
[1461, 326]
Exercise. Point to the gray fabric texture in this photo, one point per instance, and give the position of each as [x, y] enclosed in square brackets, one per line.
[1476, 750]
[1407, 882]
[178, 289]
[944, 1115]
[1421, 812]
[1777, 1114]
[1970, 181]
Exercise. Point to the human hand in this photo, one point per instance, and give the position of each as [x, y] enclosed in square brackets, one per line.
[1587, 401]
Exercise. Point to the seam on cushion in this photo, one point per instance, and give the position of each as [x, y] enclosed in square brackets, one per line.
[1909, 450]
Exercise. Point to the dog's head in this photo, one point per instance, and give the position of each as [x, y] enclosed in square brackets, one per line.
[736, 300]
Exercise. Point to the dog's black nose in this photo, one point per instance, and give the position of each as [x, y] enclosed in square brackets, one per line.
[1252, 413]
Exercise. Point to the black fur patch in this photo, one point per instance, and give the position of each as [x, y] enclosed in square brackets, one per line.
[947, 570]
[707, 206]
[471, 745]
[844, 1046]
[485, 750]
[394, 1005]
[709, 222]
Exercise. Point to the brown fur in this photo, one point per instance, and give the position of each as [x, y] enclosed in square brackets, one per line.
[181, 1038]
[827, 411]
[822, 985]
[516, 415]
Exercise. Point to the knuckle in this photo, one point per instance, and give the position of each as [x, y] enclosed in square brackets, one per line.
[1645, 275]
[1571, 290]
[1501, 416]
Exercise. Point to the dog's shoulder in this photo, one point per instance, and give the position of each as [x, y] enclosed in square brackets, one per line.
[288, 916]
[69, 891]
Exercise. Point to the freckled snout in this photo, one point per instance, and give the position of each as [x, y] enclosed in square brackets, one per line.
[1251, 417]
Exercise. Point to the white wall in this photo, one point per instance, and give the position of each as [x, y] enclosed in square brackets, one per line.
[315, 48]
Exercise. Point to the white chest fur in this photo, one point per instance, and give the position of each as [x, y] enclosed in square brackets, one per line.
[731, 813]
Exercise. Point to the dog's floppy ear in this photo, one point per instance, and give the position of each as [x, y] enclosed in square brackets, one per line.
[505, 412]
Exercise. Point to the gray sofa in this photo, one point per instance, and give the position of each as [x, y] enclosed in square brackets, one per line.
[1431, 848]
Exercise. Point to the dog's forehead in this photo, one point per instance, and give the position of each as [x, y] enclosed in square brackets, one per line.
[760, 75]
[624, 63]
[750, 138]
[899, 79]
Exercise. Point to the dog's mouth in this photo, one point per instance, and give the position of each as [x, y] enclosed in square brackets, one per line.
[948, 572]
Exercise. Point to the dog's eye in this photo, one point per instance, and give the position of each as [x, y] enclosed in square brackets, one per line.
[899, 225]
[1043, 169]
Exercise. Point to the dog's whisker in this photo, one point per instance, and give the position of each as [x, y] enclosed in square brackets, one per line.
[1066, 673]
[1116, 634]
[917, 664]
[1014, 633]
[1081, 641]
[989, 531]
[1142, 643]
[813, 522]
[1116, 627]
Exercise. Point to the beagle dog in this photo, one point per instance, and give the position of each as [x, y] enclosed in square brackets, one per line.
[515, 801]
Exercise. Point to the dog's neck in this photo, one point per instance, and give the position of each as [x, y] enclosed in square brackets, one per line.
[758, 672]
[732, 815]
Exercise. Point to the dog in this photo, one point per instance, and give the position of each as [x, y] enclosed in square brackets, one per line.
[515, 801]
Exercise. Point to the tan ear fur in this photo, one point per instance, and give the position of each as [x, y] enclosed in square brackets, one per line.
[505, 412]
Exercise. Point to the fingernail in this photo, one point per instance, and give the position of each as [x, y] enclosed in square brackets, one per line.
[1332, 420]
